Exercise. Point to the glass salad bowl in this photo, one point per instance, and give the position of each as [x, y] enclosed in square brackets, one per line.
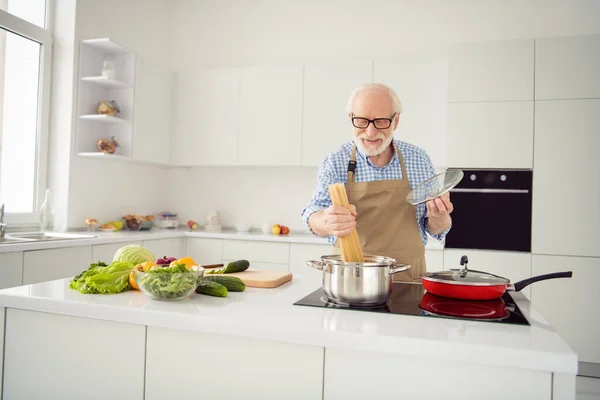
[168, 283]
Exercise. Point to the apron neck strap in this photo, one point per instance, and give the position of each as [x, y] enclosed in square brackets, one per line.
[352, 164]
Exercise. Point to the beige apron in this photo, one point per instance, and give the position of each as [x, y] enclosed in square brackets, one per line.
[386, 223]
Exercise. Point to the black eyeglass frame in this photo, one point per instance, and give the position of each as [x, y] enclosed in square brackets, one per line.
[372, 121]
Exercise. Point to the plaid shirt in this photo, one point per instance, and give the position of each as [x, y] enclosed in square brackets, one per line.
[333, 169]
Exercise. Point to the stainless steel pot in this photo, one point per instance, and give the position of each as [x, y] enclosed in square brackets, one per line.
[366, 283]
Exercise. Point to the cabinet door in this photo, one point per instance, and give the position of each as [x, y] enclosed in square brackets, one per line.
[512, 265]
[270, 115]
[567, 67]
[152, 115]
[11, 269]
[566, 189]
[204, 251]
[50, 348]
[206, 117]
[490, 135]
[48, 265]
[166, 247]
[325, 123]
[301, 252]
[263, 369]
[106, 252]
[491, 71]
[420, 80]
[570, 305]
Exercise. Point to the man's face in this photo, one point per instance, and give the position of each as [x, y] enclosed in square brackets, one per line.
[373, 104]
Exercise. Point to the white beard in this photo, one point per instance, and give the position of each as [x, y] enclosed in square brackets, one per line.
[373, 151]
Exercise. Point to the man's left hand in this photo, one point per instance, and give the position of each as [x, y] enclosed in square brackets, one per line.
[438, 212]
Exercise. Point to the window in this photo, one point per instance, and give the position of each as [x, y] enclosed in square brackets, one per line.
[25, 62]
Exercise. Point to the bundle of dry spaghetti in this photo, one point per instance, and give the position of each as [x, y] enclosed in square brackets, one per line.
[351, 250]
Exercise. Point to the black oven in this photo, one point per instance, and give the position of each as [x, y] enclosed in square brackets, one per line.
[492, 211]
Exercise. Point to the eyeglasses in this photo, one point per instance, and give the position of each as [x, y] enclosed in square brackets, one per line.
[378, 123]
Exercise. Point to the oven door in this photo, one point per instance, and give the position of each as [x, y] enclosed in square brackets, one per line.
[490, 219]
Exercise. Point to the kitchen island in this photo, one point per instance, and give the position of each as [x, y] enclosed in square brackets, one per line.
[257, 344]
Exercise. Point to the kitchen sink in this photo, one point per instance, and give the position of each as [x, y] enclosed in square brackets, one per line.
[41, 236]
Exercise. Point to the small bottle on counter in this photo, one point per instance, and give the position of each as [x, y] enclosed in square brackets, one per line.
[46, 213]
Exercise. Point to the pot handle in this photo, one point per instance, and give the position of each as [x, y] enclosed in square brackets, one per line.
[399, 268]
[526, 282]
[316, 264]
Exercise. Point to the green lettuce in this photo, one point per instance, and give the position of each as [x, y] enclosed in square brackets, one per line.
[133, 254]
[102, 278]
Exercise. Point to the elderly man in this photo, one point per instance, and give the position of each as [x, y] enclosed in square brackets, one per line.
[379, 172]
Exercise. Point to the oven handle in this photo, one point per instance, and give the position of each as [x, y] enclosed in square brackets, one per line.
[460, 190]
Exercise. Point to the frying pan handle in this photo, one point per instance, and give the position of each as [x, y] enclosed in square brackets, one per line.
[526, 282]
[316, 264]
[399, 268]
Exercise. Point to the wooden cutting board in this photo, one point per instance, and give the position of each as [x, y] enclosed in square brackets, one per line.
[261, 279]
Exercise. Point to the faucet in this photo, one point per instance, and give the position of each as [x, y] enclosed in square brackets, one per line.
[2, 224]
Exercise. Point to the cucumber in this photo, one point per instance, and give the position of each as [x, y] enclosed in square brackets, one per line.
[211, 288]
[232, 283]
[234, 266]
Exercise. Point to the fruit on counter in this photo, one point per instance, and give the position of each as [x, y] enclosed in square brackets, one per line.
[101, 278]
[234, 266]
[192, 225]
[108, 226]
[285, 230]
[232, 283]
[276, 229]
[187, 261]
[211, 288]
[133, 254]
[165, 260]
[138, 216]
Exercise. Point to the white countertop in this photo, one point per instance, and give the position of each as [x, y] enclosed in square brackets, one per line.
[100, 237]
[269, 314]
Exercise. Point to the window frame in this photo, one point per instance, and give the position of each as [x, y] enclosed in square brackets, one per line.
[43, 36]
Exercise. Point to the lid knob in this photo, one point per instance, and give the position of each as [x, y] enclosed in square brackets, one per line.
[464, 260]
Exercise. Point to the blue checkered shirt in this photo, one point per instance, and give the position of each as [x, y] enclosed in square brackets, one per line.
[333, 169]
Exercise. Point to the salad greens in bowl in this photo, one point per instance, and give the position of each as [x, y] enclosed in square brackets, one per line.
[174, 282]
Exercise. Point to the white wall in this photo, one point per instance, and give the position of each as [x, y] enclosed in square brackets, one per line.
[226, 33]
[108, 190]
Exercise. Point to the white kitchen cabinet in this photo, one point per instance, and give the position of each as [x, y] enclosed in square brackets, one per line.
[420, 80]
[567, 67]
[174, 247]
[206, 113]
[152, 123]
[347, 378]
[115, 352]
[259, 369]
[490, 135]
[571, 304]
[327, 87]
[11, 269]
[2, 314]
[515, 266]
[269, 252]
[205, 251]
[566, 182]
[270, 122]
[106, 252]
[48, 265]
[434, 259]
[491, 71]
[302, 252]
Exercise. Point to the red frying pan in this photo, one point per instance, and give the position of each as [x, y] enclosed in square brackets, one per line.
[476, 285]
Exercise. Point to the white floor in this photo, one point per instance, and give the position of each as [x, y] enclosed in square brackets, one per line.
[588, 388]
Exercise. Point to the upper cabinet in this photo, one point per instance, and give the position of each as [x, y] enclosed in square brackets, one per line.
[270, 122]
[206, 113]
[325, 123]
[567, 68]
[107, 75]
[491, 71]
[152, 118]
[420, 80]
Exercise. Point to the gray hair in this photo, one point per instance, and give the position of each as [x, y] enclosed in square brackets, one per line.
[375, 86]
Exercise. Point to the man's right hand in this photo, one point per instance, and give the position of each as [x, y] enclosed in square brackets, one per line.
[334, 221]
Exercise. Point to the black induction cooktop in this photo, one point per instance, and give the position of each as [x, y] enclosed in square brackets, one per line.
[412, 299]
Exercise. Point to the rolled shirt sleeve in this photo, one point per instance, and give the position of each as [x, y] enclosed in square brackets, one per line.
[320, 199]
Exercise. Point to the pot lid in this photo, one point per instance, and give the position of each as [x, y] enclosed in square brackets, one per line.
[465, 276]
